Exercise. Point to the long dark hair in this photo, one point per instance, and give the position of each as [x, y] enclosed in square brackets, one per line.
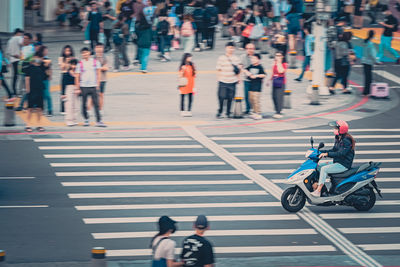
[371, 34]
[184, 58]
[63, 55]
[353, 141]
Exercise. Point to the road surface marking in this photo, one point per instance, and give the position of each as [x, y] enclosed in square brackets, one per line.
[278, 162]
[316, 222]
[24, 206]
[301, 137]
[387, 202]
[182, 233]
[127, 164]
[215, 218]
[388, 76]
[180, 206]
[380, 180]
[229, 250]
[370, 230]
[119, 147]
[385, 247]
[171, 194]
[390, 190]
[352, 130]
[127, 155]
[344, 216]
[155, 173]
[293, 153]
[16, 178]
[144, 139]
[305, 145]
[163, 182]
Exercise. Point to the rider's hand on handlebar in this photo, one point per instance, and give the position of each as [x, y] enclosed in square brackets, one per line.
[322, 155]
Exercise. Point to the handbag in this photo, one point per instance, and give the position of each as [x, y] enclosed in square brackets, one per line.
[236, 69]
[247, 31]
[277, 82]
[258, 30]
[182, 82]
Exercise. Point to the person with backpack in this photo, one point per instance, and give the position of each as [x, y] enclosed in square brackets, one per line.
[88, 74]
[109, 17]
[210, 22]
[120, 32]
[163, 248]
[197, 251]
[162, 29]
[188, 29]
[391, 26]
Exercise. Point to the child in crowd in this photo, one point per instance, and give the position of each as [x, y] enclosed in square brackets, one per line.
[256, 74]
[34, 83]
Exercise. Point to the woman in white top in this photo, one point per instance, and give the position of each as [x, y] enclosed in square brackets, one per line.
[162, 246]
[67, 54]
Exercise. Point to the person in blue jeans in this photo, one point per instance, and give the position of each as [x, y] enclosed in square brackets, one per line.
[46, 67]
[144, 34]
[342, 154]
[390, 26]
[308, 51]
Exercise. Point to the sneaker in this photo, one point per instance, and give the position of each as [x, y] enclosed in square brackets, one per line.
[316, 193]
[163, 60]
[62, 113]
[188, 114]
[135, 62]
[144, 71]
[167, 57]
[115, 70]
[298, 79]
[18, 109]
[197, 49]
[100, 124]
[183, 113]
[49, 115]
[86, 123]
[125, 68]
[277, 116]
[218, 116]
[257, 117]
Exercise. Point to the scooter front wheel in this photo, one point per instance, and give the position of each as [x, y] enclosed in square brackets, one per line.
[293, 199]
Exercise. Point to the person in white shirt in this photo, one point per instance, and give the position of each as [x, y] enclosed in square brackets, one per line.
[87, 78]
[14, 53]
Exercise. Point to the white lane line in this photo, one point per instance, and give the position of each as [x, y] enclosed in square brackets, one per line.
[293, 153]
[24, 206]
[344, 216]
[142, 183]
[304, 145]
[369, 230]
[379, 180]
[181, 233]
[298, 137]
[134, 173]
[387, 202]
[127, 155]
[127, 164]
[171, 194]
[281, 171]
[369, 247]
[281, 162]
[16, 178]
[215, 218]
[229, 250]
[316, 222]
[390, 190]
[145, 139]
[388, 179]
[180, 206]
[119, 147]
[352, 130]
[388, 75]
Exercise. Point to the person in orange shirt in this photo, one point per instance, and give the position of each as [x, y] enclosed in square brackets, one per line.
[187, 72]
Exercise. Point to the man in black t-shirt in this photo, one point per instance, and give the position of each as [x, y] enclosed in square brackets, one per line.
[197, 251]
[390, 25]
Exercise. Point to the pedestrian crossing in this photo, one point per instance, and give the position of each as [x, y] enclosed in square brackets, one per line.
[120, 196]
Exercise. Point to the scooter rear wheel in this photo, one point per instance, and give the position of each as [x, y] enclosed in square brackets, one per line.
[367, 206]
[293, 199]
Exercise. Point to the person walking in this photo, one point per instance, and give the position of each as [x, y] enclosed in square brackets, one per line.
[100, 57]
[4, 63]
[13, 52]
[246, 62]
[95, 24]
[46, 67]
[188, 29]
[187, 72]
[390, 25]
[278, 83]
[120, 34]
[342, 62]
[198, 17]
[228, 73]
[162, 29]
[308, 51]
[210, 23]
[72, 99]
[163, 248]
[256, 74]
[108, 18]
[368, 60]
[144, 34]
[197, 251]
[87, 78]
[67, 53]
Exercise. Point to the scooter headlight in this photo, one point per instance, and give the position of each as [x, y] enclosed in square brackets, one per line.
[308, 153]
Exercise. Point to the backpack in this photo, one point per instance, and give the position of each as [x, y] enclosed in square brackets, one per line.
[94, 66]
[211, 16]
[163, 27]
[187, 29]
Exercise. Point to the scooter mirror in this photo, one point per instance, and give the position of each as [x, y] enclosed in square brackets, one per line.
[321, 145]
[312, 142]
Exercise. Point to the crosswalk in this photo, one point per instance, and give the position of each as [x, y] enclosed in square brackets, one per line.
[120, 187]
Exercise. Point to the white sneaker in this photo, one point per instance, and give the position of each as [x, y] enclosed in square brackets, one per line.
[167, 57]
[257, 117]
[86, 42]
[115, 70]
[197, 49]
[188, 114]
[316, 193]
[163, 60]
[277, 116]
[183, 113]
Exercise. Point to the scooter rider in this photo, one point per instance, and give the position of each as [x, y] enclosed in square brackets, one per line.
[342, 154]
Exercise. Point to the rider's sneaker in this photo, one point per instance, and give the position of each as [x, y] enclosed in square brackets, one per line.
[316, 193]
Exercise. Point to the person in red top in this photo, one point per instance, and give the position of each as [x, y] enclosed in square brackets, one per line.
[188, 71]
[278, 83]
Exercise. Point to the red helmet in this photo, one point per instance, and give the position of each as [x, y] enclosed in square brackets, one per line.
[341, 127]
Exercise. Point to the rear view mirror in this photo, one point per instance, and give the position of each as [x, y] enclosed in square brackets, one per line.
[312, 142]
[321, 145]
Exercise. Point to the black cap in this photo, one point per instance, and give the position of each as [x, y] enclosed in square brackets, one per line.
[201, 222]
[165, 224]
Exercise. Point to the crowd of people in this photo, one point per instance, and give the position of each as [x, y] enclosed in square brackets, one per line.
[189, 25]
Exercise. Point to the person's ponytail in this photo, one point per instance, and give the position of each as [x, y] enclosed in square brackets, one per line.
[353, 141]
[371, 34]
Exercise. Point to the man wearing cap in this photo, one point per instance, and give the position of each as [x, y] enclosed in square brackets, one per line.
[197, 251]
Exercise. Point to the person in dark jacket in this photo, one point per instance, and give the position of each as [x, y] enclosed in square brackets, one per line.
[342, 154]
[144, 35]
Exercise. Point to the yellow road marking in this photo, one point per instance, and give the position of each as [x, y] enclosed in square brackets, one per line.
[362, 34]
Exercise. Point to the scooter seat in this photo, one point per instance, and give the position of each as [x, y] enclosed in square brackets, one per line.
[345, 174]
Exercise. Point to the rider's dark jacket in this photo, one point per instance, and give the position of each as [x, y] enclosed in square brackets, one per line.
[342, 152]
